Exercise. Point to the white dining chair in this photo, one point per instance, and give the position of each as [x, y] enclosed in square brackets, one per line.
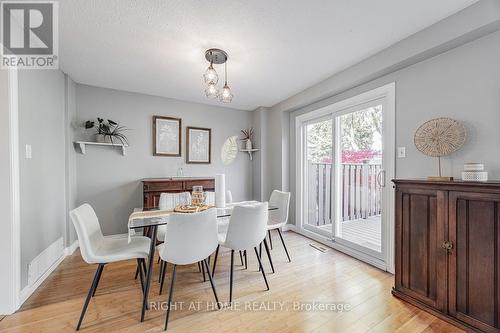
[98, 249]
[223, 223]
[190, 238]
[279, 217]
[210, 198]
[168, 201]
[247, 229]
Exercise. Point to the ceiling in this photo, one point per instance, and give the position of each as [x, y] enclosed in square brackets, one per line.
[276, 48]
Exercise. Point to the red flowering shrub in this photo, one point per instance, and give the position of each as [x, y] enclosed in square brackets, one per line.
[355, 157]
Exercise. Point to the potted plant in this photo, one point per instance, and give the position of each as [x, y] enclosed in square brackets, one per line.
[108, 131]
[247, 138]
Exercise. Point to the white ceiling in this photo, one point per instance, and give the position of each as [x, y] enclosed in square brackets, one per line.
[276, 48]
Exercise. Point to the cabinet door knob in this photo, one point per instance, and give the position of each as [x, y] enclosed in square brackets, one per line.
[447, 245]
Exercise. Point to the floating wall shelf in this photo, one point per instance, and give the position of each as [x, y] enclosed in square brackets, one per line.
[83, 144]
[250, 152]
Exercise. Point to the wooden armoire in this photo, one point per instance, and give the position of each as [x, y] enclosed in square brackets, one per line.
[448, 250]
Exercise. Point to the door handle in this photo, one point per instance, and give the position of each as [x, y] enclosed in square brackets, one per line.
[380, 176]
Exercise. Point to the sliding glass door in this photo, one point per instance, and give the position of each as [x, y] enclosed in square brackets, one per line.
[344, 177]
[318, 175]
[359, 175]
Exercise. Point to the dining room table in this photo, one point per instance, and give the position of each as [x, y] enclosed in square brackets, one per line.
[139, 219]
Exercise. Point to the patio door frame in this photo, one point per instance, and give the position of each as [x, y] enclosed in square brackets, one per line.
[387, 94]
[312, 228]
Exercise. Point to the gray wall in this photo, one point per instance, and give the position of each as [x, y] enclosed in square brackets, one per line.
[42, 184]
[259, 159]
[442, 38]
[464, 84]
[111, 183]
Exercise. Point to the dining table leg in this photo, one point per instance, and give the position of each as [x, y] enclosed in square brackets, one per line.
[149, 271]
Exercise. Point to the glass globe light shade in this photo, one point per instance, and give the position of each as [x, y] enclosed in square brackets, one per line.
[226, 96]
[210, 75]
[211, 91]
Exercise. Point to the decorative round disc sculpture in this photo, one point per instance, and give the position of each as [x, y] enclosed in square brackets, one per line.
[229, 150]
[440, 137]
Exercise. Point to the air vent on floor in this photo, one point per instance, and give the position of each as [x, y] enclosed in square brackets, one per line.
[318, 247]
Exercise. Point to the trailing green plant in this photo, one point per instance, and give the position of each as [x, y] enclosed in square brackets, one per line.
[247, 134]
[109, 129]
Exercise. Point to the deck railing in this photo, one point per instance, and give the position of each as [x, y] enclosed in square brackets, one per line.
[360, 192]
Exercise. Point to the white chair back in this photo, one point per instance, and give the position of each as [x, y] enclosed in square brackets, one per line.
[282, 201]
[170, 200]
[190, 237]
[210, 198]
[229, 197]
[88, 231]
[247, 226]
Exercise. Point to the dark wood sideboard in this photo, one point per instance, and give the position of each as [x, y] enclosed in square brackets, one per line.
[448, 250]
[153, 187]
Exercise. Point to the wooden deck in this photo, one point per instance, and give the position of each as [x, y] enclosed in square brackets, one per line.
[312, 276]
[365, 232]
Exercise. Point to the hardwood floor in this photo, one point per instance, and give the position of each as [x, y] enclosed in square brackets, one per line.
[313, 276]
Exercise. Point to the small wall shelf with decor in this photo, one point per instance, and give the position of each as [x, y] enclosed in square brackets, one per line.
[250, 152]
[83, 144]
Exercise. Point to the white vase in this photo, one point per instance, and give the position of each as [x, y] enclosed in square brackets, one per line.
[101, 138]
[248, 144]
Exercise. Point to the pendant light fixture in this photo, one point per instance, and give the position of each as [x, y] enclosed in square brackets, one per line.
[211, 91]
[216, 57]
[210, 75]
[225, 96]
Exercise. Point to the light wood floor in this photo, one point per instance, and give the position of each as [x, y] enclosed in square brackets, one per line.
[313, 276]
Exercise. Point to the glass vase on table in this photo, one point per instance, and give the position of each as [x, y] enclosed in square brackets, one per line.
[197, 196]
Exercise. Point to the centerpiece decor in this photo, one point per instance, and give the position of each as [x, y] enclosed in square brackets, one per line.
[197, 202]
[197, 196]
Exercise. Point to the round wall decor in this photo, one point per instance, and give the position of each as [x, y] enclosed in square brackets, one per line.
[440, 137]
[229, 150]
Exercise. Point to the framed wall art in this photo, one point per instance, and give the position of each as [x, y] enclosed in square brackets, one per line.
[166, 136]
[198, 145]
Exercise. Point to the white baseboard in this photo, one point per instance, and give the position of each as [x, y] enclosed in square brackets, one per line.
[289, 227]
[27, 291]
[44, 260]
[71, 249]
